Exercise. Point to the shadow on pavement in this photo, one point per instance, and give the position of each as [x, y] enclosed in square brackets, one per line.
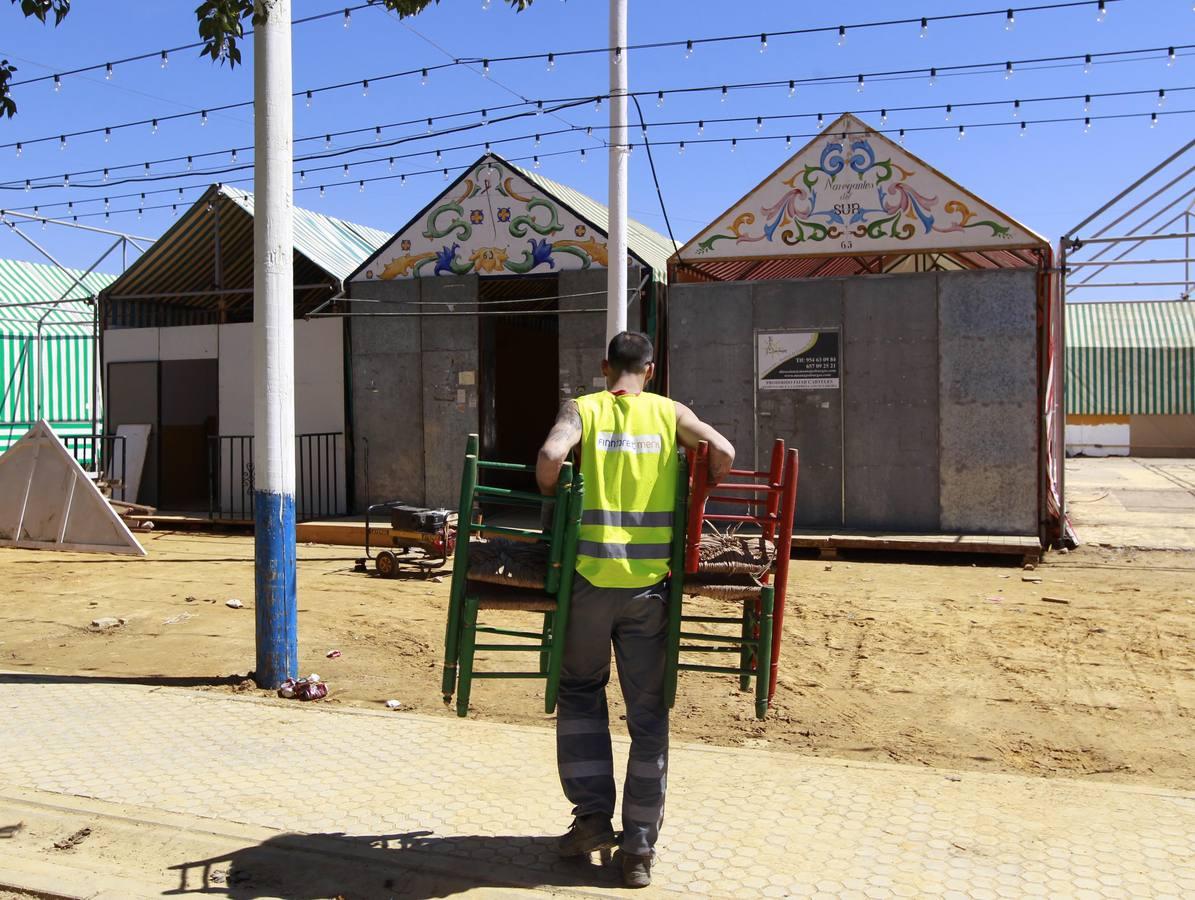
[412, 866]
[151, 680]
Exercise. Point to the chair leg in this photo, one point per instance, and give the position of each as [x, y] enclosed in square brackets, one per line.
[467, 642]
[546, 643]
[745, 652]
[763, 656]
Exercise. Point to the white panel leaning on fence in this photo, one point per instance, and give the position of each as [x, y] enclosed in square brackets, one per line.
[48, 502]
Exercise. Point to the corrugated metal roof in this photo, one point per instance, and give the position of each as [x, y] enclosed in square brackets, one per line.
[1130, 358]
[38, 286]
[646, 243]
[183, 261]
[336, 246]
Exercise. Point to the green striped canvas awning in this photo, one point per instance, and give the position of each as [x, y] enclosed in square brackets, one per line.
[1130, 358]
[30, 291]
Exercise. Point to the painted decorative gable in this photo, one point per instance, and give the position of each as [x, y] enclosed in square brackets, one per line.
[852, 190]
[493, 221]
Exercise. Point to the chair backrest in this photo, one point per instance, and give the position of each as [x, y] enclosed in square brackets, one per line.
[766, 499]
[568, 487]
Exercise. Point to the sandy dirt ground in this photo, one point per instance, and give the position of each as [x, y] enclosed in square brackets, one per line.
[935, 662]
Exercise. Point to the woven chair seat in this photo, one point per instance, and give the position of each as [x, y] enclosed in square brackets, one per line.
[735, 589]
[491, 596]
[734, 554]
[509, 563]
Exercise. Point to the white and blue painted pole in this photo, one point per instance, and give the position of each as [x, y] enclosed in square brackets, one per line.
[273, 349]
[616, 238]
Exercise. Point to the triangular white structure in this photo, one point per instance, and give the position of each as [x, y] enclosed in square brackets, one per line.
[851, 190]
[47, 502]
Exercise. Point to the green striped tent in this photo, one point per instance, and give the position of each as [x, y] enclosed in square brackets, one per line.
[1131, 358]
[46, 348]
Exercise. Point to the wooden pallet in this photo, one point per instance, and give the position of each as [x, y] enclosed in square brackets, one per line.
[829, 543]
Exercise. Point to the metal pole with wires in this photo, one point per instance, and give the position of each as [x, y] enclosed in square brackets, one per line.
[616, 273]
[273, 350]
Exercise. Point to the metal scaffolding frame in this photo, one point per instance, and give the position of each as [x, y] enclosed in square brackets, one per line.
[122, 240]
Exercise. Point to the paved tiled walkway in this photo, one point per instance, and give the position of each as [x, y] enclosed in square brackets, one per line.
[482, 799]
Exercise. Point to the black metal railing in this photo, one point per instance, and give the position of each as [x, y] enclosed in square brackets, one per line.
[319, 458]
[102, 453]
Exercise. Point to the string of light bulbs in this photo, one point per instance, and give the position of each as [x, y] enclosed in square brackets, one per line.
[108, 67]
[950, 109]
[424, 71]
[732, 143]
[934, 73]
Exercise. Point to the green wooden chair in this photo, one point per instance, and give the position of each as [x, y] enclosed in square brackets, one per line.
[474, 590]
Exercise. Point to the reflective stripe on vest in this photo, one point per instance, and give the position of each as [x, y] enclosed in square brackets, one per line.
[628, 458]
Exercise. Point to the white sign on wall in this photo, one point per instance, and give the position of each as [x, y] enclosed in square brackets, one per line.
[797, 360]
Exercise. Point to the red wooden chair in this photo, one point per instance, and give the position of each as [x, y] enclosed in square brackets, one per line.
[766, 500]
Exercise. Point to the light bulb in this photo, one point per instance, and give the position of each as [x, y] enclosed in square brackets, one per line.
[883, 117]
[485, 68]
[924, 27]
[174, 210]
[700, 127]
[680, 151]
[659, 99]
[62, 142]
[361, 187]
[551, 61]
[321, 190]
[153, 127]
[1009, 21]
[588, 133]
[302, 177]
[821, 120]
[147, 165]
[1007, 71]
[597, 103]
[105, 176]
[485, 117]
[66, 181]
[1087, 103]
[1170, 57]
[203, 117]
[582, 155]
[539, 107]
[1087, 125]
[1102, 13]
[788, 142]
[105, 203]
[390, 164]
[29, 185]
[165, 59]
[758, 124]
[348, 18]
[1161, 98]
[439, 156]
[618, 56]
[402, 180]
[446, 171]
[190, 162]
[792, 87]
[537, 140]
[327, 142]
[734, 143]
[1087, 64]
[309, 99]
[233, 154]
[377, 133]
[763, 43]
[1153, 123]
[365, 88]
[107, 135]
[900, 138]
[180, 192]
[535, 158]
[57, 84]
[345, 173]
[485, 5]
[431, 125]
[108, 72]
[724, 94]
[1016, 109]
[933, 77]
[688, 49]
[949, 111]
[423, 78]
[962, 132]
[841, 35]
[859, 83]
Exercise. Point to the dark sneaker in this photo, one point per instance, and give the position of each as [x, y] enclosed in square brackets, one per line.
[636, 870]
[586, 834]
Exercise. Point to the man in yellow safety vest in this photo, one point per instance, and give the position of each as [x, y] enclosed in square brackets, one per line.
[627, 439]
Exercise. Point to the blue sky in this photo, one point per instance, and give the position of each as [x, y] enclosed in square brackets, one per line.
[1049, 179]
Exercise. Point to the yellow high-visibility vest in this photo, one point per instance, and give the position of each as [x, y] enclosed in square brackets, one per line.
[628, 459]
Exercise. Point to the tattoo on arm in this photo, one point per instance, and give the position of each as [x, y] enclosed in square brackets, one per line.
[567, 431]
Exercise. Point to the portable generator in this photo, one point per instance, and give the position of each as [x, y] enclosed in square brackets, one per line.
[431, 531]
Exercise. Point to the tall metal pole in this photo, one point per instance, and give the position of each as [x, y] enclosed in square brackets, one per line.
[273, 349]
[616, 273]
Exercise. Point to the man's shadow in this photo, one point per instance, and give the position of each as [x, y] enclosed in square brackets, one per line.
[414, 865]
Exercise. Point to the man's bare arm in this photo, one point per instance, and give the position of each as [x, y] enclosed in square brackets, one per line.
[561, 440]
[690, 431]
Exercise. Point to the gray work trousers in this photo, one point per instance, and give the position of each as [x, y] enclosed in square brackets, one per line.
[636, 620]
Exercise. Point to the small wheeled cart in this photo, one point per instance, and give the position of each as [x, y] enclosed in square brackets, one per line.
[432, 532]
